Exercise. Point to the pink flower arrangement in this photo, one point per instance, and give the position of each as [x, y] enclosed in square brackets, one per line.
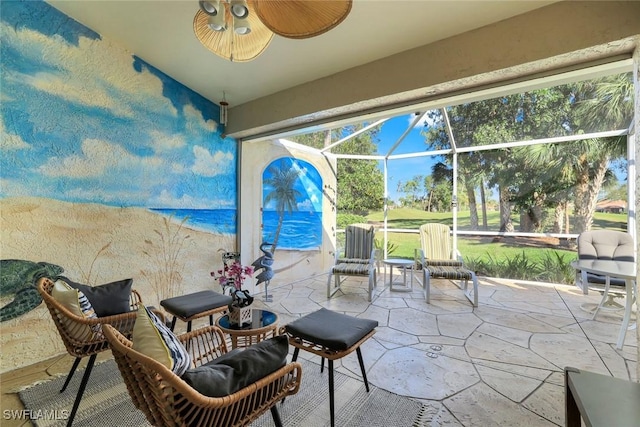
[232, 274]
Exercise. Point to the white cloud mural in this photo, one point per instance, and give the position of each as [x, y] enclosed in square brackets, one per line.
[87, 114]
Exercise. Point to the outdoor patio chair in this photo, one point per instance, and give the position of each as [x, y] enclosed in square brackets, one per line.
[81, 332]
[359, 259]
[604, 245]
[167, 399]
[437, 260]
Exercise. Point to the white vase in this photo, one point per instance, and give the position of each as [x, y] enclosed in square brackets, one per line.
[240, 315]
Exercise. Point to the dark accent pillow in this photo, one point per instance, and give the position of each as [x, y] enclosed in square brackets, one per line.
[108, 299]
[237, 369]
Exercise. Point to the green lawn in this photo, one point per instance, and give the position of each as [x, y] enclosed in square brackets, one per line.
[529, 256]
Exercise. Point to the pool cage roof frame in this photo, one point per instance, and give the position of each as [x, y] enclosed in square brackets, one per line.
[418, 109]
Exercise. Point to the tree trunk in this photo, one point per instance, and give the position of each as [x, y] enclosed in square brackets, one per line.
[277, 234]
[473, 207]
[483, 201]
[558, 218]
[505, 210]
[526, 224]
[587, 192]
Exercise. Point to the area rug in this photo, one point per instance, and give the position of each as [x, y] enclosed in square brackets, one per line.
[106, 402]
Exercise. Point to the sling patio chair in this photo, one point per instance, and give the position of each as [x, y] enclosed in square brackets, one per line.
[437, 260]
[216, 390]
[79, 325]
[604, 245]
[359, 259]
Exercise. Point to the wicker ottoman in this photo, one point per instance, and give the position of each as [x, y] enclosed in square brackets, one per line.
[193, 306]
[332, 336]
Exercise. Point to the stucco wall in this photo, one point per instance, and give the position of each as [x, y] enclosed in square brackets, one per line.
[106, 163]
[559, 35]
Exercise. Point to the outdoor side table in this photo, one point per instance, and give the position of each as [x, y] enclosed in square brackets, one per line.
[600, 400]
[263, 325]
[404, 264]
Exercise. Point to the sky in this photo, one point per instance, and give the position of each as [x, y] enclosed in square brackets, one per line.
[112, 130]
[402, 170]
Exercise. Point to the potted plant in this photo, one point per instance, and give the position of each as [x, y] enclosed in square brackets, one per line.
[231, 278]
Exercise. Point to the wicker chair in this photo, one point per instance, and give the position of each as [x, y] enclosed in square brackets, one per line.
[167, 400]
[70, 327]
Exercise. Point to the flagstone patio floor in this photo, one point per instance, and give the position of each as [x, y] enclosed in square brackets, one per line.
[499, 364]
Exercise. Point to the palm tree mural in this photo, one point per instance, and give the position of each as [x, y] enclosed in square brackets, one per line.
[282, 180]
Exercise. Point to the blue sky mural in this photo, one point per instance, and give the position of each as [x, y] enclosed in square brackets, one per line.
[301, 228]
[83, 120]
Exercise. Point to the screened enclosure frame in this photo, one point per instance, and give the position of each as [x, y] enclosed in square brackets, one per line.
[615, 67]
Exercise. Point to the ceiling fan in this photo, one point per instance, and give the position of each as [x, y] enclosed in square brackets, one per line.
[240, 30]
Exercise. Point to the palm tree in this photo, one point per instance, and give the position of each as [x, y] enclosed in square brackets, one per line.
[282, 180]
[605, 103]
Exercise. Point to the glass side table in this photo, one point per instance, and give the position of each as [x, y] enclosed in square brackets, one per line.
[263, 325]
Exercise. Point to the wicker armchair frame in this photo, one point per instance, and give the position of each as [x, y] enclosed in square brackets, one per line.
[79, 344]
[167, 400]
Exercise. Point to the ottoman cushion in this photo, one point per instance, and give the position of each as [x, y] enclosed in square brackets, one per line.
[186, 306]
[335, 331]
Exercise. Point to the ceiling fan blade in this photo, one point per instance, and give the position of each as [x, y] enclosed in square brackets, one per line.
[299, 19]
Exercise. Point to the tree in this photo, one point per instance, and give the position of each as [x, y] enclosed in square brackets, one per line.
[603, 103]
[412, 187]
[527, 183]
[282, 180]
[360, 182]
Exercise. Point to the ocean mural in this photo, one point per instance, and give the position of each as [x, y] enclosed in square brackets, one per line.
[109, 170]
[292, 204]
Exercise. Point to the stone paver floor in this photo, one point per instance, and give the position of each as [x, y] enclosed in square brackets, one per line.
[498, 364]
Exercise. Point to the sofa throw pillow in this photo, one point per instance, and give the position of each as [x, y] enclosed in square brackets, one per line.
[77, 303]
[237, 369]
[154, 339]
[108, 299]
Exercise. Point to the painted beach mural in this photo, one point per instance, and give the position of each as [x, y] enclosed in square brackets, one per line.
[108, 166]
[292, 205]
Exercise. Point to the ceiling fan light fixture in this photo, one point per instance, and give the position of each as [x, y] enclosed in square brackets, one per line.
[239, 8]
[241, 26]
[217, 22]
[229, 44]
[211, 7]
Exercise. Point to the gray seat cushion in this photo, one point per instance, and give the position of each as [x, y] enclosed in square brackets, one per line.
[335, 331]
[239, 368]
[605, 245]
[186, 306]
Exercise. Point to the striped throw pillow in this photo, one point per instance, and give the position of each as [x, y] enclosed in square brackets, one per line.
[154, 339]
[77, 303]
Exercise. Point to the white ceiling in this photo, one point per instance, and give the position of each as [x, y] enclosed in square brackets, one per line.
[161, 33]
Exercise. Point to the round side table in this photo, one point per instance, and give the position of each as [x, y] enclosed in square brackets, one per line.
[263, 325]
[404, 264]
